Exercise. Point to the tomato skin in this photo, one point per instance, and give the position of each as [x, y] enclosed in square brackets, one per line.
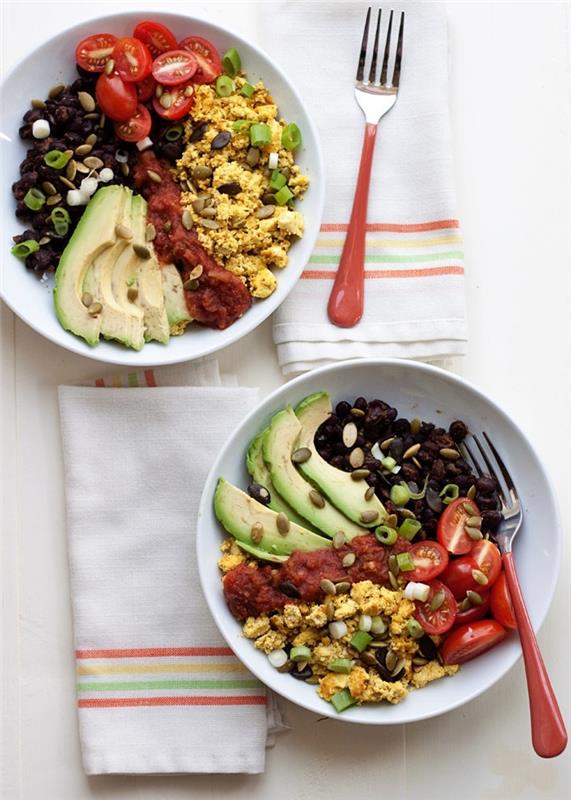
[450, 532]
[442, 619]
[136, 127]
[117, 98]
[157, 37]
[132, 59]
[488, 560]
[174, 67]
[181, 104]
[458, 576]
[501, 603]
[430, 560]
[470, 640]
[209, 62]
[93, 52]
[474, 613]
[145, 88]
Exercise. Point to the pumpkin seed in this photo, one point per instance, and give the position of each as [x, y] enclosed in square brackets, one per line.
[393, 582]
[201, 173]
[110, 66]
[412, 451]
[257, 532]
[329, 609]
[357, 458]
[475, 598]
[437, 600]
[470, 509]
[198, 204]
[56, 90]
[93, 162]
[349, 559]
[91, 139]
[406, 513]
[252, 156]
[39, 104]
[150, 232]
[86, 299]
[343, 587]
[449, 453]
[391, 521]
[465, 605]
[301, 455]
[339, 540]
[94, 309]
[384, 445]
[357, 412]
[167, 226]
[208, 213]
[132, 293]
[196, 272]
[471, 493]
[83, 150]
[93, 115]
[368, 516]
[67, 183]
[190, 285]
[369, 494]
[350, 434]
[220, 140]
[479, 577]
[125, 169]
[154, 176]
[44, 240]
[418, 661]
[102, 119]
[282, 523]
[359, 474]
[49, 188]
[394, 568]
[265, 212]
[416, 462]
[368, 658]
[415, 426]
[123, 232]
[165, 100]
[86, 101]
[209, 223]
[71, 169]
[473, 533]
[268, 198]
[327, 586]
[141, 250]
[316, 499]
[474, 522]
[53, 200]
[391, 659]
[158, 91]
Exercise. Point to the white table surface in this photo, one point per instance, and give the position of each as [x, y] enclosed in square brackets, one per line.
[509, 97]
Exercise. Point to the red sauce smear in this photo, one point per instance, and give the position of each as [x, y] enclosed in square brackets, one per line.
[221, 297]
[250, 592]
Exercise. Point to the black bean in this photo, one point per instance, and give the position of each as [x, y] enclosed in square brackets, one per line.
[396, 448]
[361, 404]
[172, 151]
[409, 472]
[490, 521]
[486, 503]
[343, 409]
[438, 469]
[485, 485]
[338, 462]
[303, 674]
[427, 648]
[458, 430]
[401, 426]
[259, 493]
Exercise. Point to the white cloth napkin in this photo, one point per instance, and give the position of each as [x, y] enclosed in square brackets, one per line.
[414, 298]
[158, 689]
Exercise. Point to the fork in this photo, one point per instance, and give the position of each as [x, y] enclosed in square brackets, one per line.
[548, 732]
[375, 99]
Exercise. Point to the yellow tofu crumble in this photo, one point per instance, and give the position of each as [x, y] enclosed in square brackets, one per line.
[235, 231]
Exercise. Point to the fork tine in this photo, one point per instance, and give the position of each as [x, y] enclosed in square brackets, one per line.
[501, 492]
[386, 51]
[363, 53]
[373, 69]
[503, 469]
[469, 457]
[398, 57]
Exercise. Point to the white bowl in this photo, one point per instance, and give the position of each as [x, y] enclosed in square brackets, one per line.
[417, 390]
[54, 62]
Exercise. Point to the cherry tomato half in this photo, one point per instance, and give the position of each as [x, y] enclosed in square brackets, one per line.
[132, 59]
[501, 603]
[136, 127]
[488, 558]
[459, 576]
[451, 524]
[441, 619]
[429, 558]
[181, 101]
[209, 62]
[116, 98]
[93, 52]
[145, 88]
[475, 612]
[155, 36]
[174, 67]
[470, 640]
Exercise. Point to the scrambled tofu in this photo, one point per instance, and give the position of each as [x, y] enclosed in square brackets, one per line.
[235, 218]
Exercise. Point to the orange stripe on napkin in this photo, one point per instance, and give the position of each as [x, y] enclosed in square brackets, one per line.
[152, 652]
[215, 700]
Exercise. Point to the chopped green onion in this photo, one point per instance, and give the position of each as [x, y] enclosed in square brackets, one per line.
[405, 562]
[24, 249]
[224, 86]
[34, 199]
[231, 62]
[344, 665]
[409, 529]
[173, 133]
[389, 463]
[386, 535]
[360, 640]
[400, 494]
[283, 196]
[414, 629]
[260, 134]
[61, 228]
[278, 179]
[247, 90]
[342, 700]
[60, 214]
[291, 137]
[450, 492]
[301, 653]
[56, 159]
[240, 125]
[419, 495]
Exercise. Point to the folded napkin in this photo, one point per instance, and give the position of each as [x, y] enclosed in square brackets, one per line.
[159, 691]
[414, 298]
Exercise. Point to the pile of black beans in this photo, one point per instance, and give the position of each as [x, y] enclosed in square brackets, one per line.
[377, 422]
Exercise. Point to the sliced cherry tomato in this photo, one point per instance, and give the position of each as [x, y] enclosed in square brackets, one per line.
[155, 36]
[93, 52]
[451, 524]
[488, 558]
[475, 612]
[146, 88]
[117, 98]
[470, 640]
[459, 576]
[136, 127]
[501, 603]
[209, 62]
[441, 619]
[182, 99]
[133, 60]
[429, 558]
[174, 67]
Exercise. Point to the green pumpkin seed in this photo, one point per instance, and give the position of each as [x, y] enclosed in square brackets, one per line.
[141, 251]
[349, 559]
[86, 101]
[473, 533]
[449, 453]
[386, 443]
[369, 494]
[391, 521]
[316, 499]
[265, 212]
[186, 220]
[282, 523]
[301, 455]
[150, 232]
[437, 600]
[357, 412]
[394, 568]
[480, 577]
[95, 309]
[202, 173]
[91, 139]
[154, 176]
[415, 426]
[350, 434]
[471, 493]
[39, 104]
[93, 162]
[48, 188]
[470, 509]
[196, 272]
[56, 90]
[83, 150]
[86, 299]
[123, 232]
[110, 66]
[412, 451]
[343, 587]
[475, 598]
[67, 183]
[367, 517]
[393, 582]
[357, 458]
[327, 586]
[359, 474]
[474, 522]
[339, 539]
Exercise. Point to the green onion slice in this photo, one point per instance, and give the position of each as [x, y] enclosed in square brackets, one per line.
[419, 495]
[24, 249]
[224, 86]
[291, 137]
[400, 494]
[34, 199]
[342, 700]
[247, 90]
[405, 562]
[283, 196]
[56, 159]
[386, 535]
[231, 62]
[409, 529]
[389, 463]
[240, 125]
[60, 214]
[301, 653]
[260, 134]
[278, 179]
[173, 133]
[450, 492]
[344, 665]
[361, 639]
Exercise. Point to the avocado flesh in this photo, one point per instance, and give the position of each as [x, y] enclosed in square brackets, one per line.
[254, 551]
[260, 473]
[237, 512]
[94, 234]
[175, 303]
[344, 492]
[279, 443]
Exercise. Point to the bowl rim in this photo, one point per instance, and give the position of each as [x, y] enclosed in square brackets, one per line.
[422, 368]
[121, 356]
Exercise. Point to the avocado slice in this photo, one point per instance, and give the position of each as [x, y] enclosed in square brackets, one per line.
[255, 551]
[278, 445]
[175, 303]
[237, 512]
[94, 234]
[260, 473]
[341, 489]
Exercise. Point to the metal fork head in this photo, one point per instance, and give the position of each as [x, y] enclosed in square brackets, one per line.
[378, 93]
[507, 492]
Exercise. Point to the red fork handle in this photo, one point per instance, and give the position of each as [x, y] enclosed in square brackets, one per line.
[345, 306]
[548, 732]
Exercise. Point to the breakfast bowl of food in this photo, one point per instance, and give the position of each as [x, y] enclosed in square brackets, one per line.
[165, 186]
[347, 547]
